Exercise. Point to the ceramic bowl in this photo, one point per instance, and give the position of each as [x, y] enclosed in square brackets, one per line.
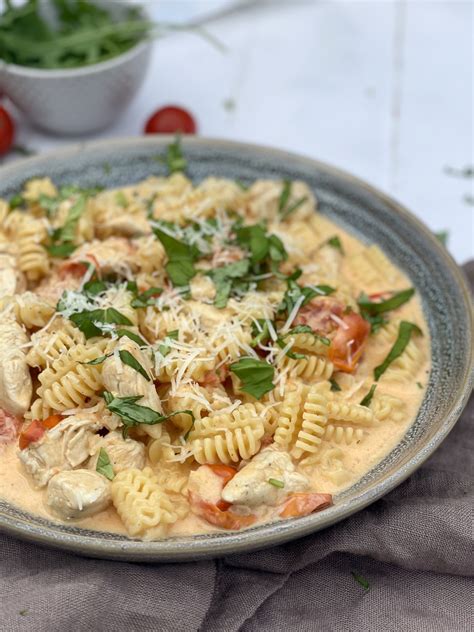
[77, 100]
[358, 207]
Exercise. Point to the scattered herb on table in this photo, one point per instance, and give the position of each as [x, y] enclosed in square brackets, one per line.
[360, 580]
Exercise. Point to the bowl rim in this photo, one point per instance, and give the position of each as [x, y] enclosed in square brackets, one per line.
[61, 73]
[201, 547]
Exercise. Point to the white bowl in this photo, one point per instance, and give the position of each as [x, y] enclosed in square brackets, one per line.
[78, 100]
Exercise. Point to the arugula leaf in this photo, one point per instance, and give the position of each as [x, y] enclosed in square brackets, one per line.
[256, 376]
[334, 385]
[380, 307]
[181, 258]
[336, 243]
[145, 299]
[121, 199]
[361, 580]
[104, 466]
[132, 336]
[130, 360]
[276, 483]
[224, 278]
[368, 398]
[132, 414]
[405, 332]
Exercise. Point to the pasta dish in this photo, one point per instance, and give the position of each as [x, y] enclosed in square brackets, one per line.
[180, 358]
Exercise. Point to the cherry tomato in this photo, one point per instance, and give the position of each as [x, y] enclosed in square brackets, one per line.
[349, 342]
[304, 503]
[7, 131]
[318, 315]
[171, 120]
[223, 518]
[31, 434]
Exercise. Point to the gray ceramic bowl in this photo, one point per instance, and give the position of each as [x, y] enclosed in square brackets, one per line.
[361, 209]
[77, 100]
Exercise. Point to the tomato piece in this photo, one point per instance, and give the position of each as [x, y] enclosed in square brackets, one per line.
[225, 472]
[9, 425]
[318, 314]
[224, 519]
[7, 131]
[51, 421]
[32, 433]
[303, 503]
[77, 269]
[349, 342]
[215, 378]
[171, 120]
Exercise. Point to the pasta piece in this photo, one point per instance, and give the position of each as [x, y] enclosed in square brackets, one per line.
[406, 367]
[201, 401]
[140, 503]
[29, 310]
[290, 415]
[226, 438]
[315, 418]
[388, 408]
[52, 343]
[327, 462]
[343, 434]
[308, 369]
[33, 259]
[370, 269]
[340, 410]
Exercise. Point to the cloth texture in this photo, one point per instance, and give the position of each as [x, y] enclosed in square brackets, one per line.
[414, 547]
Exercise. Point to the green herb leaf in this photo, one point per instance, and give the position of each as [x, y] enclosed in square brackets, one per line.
[85, 320]
[291, 354]
[175, 160]
[164, 348]
[361, 580]
[368, 398]
[94, 287]
[49, 204]
[256, 376]
[128, 359]
[442, 236]
[147, 298]
[61, 251]
[181, 258]
[284, 208]
[420, 385]
[405, 332]
[306, 329]
[132, 336]
[295, 291]
[334, 385]
[67, 231]
[242, 185]
[98, 360]
[16, 201]
[335, 242]
[104, 466]
[276, 483]
[224, 278]
[380, 307]
[260, 332]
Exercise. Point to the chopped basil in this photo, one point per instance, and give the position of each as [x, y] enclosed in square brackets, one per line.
[380, 307]
[132, 414]
[175, 160]
[420, 385]
[242, 185]
[164, 348]
[16, 201]
[284, 208]
[276, 483]
[336, 243]
[63, 238]
[98, 360]
[306, 329]
[61, 251]
[256, 376]
[104, 466]
[128, 359]
[334, 385]
[260, 332]
[442, 236]
[368, 398]
[146, 299]
[225, 278]
[49, 204]
[405, 331]
[121, 199]
[94, 287]
[85, 321]
[295, 291]
[132, 336]
[361, 580]
[291, 354]
[181, 258]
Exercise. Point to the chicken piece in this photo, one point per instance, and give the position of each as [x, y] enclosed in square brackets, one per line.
[12, 280]
[9, 426]
[64, 447]
[15, 380]
[114, 255]
[124, 381]
[78, 493]
[251, 487]
[123, 453]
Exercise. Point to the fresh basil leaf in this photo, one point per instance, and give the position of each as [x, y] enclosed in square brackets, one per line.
[181, 258]
[175, 160]
[147, 298]
[277, 250]
[368, 398]
[284, 196]
[334, 385]
[16, 201]
[113, 316]
[132, 336]
[61, 251]
[104, 466]
[128, 359]
[291, 354]
[405, 332]
[224, 279]
[85, 320]
[68, 230]
[336, 243]
[94, 287]
[306, 329]
[98, 360]
[260, 332]
[295, 291]
[293, 207]
[254, 239]
[256, 376]
[49, 204]
[380, 307]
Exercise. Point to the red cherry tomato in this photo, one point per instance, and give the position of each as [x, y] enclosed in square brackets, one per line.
[171, 120]
[7, 131]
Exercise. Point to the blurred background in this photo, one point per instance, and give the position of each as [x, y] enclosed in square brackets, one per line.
[383, 89]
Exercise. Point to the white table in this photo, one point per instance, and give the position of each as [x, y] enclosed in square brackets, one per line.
[382, 89]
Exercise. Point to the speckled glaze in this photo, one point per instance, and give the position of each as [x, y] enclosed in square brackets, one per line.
[370, 215]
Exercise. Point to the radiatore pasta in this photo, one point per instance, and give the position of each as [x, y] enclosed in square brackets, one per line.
[183, 358]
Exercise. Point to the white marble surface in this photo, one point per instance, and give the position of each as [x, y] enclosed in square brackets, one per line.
[383, 89]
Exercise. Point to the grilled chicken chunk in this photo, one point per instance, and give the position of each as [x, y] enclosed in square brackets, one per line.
[12, 280]
[15, 379]
[78, 493]
[123, 453]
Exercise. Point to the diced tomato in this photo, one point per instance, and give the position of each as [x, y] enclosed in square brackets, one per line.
[303, 503]
[9, 425]
[318, 315]
[215, 378]
[36, 430]
[77, 269]
[32, 433]
[224, 519]
[225, 472]
[349, 342]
